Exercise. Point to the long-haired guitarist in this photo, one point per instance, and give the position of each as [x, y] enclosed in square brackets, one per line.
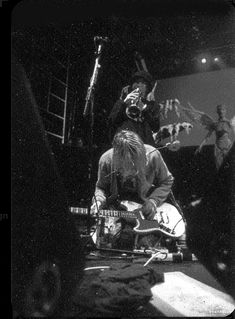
[132, 170]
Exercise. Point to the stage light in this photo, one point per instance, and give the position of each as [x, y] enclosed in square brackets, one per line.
[216, 59]
[203, 61]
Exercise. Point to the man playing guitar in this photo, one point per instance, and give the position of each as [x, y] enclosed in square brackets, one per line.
[133, 170]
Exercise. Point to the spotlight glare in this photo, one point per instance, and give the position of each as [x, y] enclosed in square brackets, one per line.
[216, 59]
[203, 60]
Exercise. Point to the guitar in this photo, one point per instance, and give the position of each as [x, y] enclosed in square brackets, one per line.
[167, 219]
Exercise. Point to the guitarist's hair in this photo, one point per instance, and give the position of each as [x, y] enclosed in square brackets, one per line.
[129, 152]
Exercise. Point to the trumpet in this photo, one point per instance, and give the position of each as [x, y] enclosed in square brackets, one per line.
[135, 105]
[137, 101]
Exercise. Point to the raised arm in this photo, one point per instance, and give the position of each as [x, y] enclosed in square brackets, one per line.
[117, 114]
[152, 114]
[198, 150]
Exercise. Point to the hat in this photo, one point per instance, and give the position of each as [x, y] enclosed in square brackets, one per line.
[143, 75]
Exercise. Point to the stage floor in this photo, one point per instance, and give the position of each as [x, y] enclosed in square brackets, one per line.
[187, 271]
[193, 269]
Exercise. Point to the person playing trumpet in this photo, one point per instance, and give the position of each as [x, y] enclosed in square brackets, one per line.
[136, 110]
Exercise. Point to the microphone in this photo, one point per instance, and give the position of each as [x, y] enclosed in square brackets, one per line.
[101, 39]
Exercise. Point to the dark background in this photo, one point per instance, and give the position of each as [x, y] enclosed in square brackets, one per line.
[54, 41]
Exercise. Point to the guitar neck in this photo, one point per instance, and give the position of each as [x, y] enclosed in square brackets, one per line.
[116, 213]
[104, 213]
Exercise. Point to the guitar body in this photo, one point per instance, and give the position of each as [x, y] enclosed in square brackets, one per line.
[167, 220]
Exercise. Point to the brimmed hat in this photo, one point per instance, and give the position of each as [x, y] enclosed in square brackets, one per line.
[143, 75]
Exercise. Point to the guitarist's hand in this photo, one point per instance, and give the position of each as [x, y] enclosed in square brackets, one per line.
[95, 207]
[149, 209]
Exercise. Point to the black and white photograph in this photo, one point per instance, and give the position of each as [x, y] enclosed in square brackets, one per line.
[122, 158]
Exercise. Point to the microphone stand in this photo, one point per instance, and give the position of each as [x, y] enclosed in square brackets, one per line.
[89, 110]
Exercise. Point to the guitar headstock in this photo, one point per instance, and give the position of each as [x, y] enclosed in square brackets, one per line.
[78, 210]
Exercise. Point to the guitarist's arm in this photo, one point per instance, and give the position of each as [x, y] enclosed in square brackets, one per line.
[118, 112]
[163, 181]
[102, 188]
